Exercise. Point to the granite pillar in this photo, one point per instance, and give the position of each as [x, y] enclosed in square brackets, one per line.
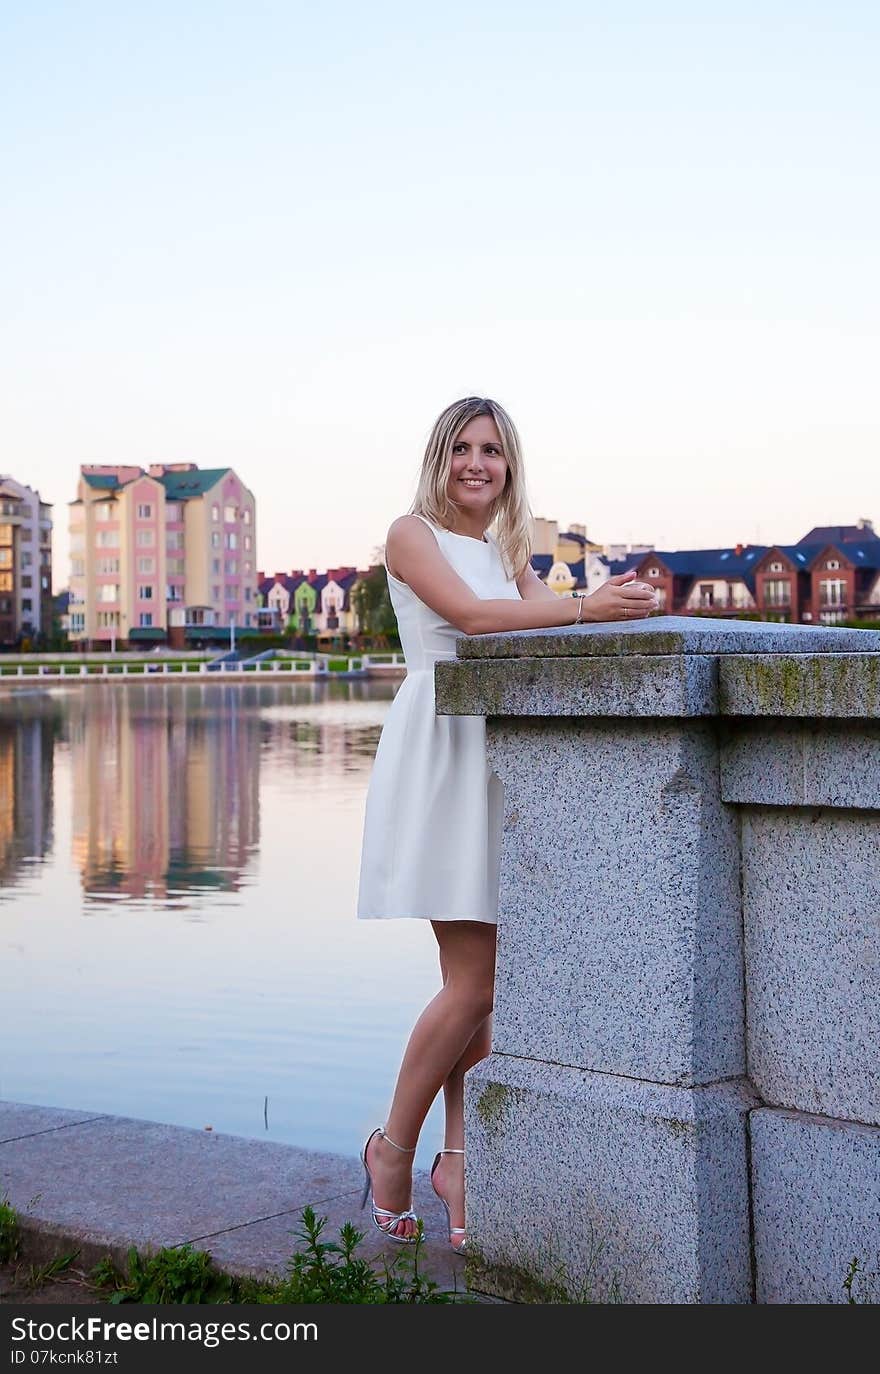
[688, 935]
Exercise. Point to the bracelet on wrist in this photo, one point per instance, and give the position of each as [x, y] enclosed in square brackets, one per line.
[581, 596]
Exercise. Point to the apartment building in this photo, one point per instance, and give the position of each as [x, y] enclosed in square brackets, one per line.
[166, 553]
[25, 563]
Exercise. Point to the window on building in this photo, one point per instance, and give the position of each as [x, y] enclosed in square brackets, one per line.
[707, 594]
[231, 567]
[215, 593]
[833, 563]
[776, 567]
[145, 539]
[247, 593]
[229, 514]
[172, 510]
[77, 567]
[25, 534]
[215, 566]
[247, 618]
[5, 558]
[247, 541]
[777, 592]
[231, 593]
[146, 565]
[173, 593]
[146, 619]
[246, 516]
[144, 512]
[5, 581]
[215, 539]
[108, 591]
[104, 510]
[27, 558]
[174, 541]
[106, 566]
[215, 513]
[26, 603]
[653, 572]
[231, 540]
[832, 592]
[108, 539]
[27, 580]
[44, 583]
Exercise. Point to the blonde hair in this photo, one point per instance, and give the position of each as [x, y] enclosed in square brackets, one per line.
[511, 517]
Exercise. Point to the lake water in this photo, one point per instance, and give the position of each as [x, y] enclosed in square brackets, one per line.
[178, 878]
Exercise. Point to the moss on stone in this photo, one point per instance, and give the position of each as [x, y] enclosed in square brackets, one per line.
[491, 1104]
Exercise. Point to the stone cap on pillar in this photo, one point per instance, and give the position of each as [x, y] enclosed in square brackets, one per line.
[665, 666]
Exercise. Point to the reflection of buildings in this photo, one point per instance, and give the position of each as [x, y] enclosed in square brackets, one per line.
[165, 786]
[165, 777]
[27, 743]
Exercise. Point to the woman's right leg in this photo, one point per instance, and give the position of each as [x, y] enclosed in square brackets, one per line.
[439, 1039]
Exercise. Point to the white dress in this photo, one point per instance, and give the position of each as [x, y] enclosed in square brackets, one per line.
[432, 826]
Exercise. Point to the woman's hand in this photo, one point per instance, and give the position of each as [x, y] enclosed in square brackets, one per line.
[621, 598]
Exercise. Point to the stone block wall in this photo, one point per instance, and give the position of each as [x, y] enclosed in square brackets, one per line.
[683, 1099]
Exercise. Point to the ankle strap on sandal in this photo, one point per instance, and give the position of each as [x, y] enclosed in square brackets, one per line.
[402, 1148]
[450, 1152]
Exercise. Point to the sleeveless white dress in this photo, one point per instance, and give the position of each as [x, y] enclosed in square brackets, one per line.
[432, 825]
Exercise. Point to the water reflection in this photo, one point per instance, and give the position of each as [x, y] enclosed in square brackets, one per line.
[166, 776]
[177, 909]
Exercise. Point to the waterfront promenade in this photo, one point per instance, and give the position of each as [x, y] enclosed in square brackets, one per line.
[98, 1183]
[74, 668]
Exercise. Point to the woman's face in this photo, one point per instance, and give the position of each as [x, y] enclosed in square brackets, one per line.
[479, 467]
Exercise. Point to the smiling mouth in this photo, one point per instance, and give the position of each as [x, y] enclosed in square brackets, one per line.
[474, 482]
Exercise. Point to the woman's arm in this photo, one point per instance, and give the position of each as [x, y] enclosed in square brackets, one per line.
[413, 552]
[531, 588]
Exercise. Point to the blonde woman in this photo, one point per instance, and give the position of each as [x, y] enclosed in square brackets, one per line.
[458, 564]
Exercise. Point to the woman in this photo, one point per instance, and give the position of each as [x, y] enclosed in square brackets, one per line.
[432, 829]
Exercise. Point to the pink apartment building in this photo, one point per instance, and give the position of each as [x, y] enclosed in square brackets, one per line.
[166, 554]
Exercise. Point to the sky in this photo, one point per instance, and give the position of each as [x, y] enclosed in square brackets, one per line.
[284, 236]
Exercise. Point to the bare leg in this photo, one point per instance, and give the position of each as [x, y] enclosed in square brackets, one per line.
[449, 1174]
[443, 1034]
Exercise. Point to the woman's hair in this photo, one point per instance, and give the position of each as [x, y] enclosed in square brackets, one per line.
[511, 514]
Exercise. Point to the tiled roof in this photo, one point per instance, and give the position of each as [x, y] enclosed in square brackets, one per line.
[864, 554]
[839, 534]
[181, 486]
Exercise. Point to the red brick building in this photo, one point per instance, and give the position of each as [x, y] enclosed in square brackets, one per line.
[832, 574]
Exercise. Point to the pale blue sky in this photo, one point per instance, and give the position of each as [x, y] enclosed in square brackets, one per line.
[283, 236]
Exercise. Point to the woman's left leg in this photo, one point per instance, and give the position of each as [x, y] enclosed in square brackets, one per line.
[449, 1173]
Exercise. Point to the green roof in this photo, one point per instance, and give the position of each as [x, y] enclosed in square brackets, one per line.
[104, 482]
[146, 632]
[181, 486]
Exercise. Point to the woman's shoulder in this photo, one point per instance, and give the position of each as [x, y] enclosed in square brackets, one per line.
[407, 532]
[407, 527]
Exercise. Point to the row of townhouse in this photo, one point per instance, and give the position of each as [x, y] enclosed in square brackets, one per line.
[25, 563]
[309, 603]
[166, 554]
[831, 574]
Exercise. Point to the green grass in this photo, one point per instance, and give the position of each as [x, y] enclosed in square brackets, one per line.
[320, 1272]
[9, 1232]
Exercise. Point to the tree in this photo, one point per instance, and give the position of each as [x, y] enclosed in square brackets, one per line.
[372, 603]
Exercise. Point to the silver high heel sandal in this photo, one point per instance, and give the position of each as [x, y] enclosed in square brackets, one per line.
[388, 1219]
[453, 1230]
